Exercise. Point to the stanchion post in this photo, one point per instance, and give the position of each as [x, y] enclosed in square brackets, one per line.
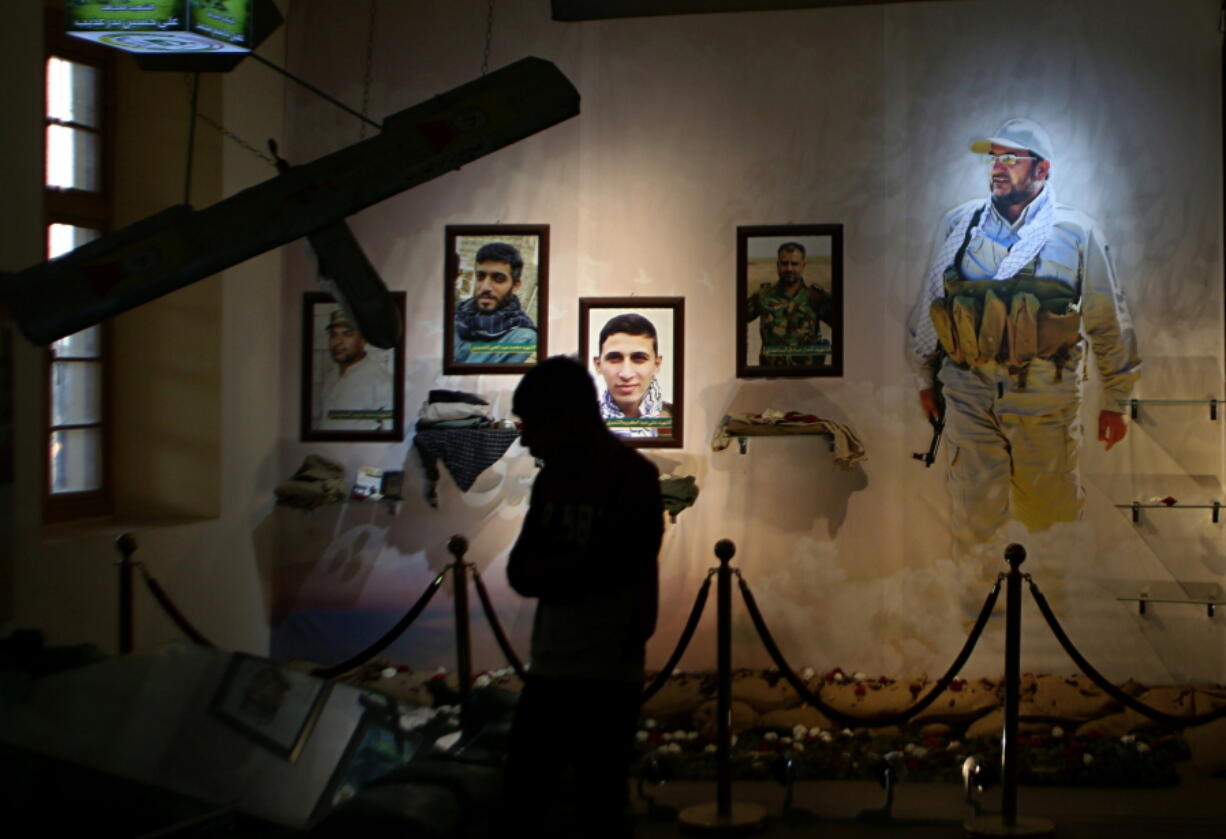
[724, 551]
[1008, 823]
[126, 545]
[1015, 555]
[458, 546]
[724, 815]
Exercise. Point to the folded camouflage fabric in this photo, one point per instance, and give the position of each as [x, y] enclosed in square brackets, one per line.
[848, 450]
[317, 481]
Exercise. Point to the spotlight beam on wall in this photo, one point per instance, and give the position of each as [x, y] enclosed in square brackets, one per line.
[181, 245]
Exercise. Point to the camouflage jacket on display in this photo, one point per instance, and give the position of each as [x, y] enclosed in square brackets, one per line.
[791, 325]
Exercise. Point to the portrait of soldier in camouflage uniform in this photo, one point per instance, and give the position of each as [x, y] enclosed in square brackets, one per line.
[791, 313]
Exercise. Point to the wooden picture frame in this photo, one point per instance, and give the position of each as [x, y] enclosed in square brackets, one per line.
[367, 407]
[492, 322]
[274, 705]
[661, 424]
[779, 334]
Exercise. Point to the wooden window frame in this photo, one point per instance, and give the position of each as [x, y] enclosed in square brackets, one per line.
[80, 208]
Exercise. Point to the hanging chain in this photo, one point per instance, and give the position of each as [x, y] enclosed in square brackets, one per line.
[217, 126]
[489, 38]
[370, 55]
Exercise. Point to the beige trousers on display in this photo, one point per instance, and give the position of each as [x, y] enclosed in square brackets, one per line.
[1013, 451]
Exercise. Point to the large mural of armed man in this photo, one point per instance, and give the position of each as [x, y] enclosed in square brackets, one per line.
[1019, 288]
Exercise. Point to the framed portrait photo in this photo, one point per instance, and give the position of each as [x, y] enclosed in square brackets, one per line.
[274, 705]
[635, 347]
[351, 390]
[789, 305]
[496, 292]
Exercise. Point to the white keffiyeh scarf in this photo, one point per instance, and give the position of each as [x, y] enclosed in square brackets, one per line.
[1032, 237]
[651, 406]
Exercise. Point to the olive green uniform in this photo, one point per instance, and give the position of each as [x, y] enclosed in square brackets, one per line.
[791, 325]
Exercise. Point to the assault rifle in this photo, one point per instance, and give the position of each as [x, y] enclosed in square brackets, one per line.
[938, 426]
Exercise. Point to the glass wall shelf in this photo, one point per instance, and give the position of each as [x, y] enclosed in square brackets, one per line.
[1208, 595]
[1134, 405]
[1137, 507]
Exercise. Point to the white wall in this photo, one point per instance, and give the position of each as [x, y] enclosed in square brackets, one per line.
[692, 125]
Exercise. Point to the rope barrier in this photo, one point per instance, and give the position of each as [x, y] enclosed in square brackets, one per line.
[172, 611]
[850, 720]
[388, 637]
[1105, 685]
[490, 615]
[683, 642]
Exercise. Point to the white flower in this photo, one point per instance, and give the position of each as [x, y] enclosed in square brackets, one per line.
[693, 735]
[798, 747]
[666, 736]
[859, 677]
[918, 752]
[711, 748]
[1142, 747]
[641, 736]
[1087, 758]
[673, 747]
[733, 741]
[1057, 732]
[799, 731]
[442, 670]
[815, 731]
[1128, 738]
[847, 732]
[770, 736]
[482, 681]
[953, 744]
[826, 736]
[838, 676]
[388, 672]
[910, 747]
[808, 673]
[785, 740]
[649, 724]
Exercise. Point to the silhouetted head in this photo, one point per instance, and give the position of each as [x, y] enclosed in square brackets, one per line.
[556, 402]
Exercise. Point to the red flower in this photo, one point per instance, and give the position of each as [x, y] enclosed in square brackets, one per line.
[438, 677]
[955, 685]
[860, 689]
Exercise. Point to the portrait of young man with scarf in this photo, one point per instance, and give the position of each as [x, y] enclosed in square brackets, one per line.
[1019, 283]
[491, 327]
[628, 364]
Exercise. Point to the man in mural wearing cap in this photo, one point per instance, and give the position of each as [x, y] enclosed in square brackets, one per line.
[357, 392]
[791, 313]
[491, 327]
[1019, 283]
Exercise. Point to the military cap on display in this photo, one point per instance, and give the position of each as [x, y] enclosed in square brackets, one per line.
[1017, 134]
